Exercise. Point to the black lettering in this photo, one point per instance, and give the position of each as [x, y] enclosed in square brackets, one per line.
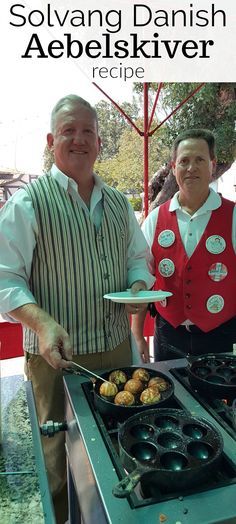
[164, 16]
[215, 13]
[117, 21]
[167, 43]
[148, 12]
[38, 47]
[102, 72]
[156, 46]
[115, 69]
[53, 46]
[118, 72]
[61, 22]
[187, 46]
[191, 15]
[118, 45]
[205, 43]
[128, 72]
[92, 44]
[139, 71]
[12, 11]
[49, 16]
[37, 13]
[183, 21]
[74, 43]
[198, 16]
[107, 46]
[94, 71]
[90, 15]
[80, 18]
[139, 47]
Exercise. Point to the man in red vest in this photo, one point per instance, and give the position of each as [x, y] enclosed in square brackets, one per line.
[193, 243]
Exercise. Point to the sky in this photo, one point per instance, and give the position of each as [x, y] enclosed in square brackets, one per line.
[26, 101]
[30, 88]
[25, 113]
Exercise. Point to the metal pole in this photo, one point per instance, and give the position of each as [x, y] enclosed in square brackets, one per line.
[145, 146]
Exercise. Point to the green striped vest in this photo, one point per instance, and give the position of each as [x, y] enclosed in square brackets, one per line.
[74, 265]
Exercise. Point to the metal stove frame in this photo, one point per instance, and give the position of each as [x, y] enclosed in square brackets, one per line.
[91, 474]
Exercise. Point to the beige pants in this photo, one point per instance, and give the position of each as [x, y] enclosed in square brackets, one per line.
[49, 398]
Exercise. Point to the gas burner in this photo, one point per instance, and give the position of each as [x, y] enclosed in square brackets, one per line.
[223, 410]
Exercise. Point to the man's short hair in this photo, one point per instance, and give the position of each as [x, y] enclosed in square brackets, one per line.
[204, 134]
[70, 101]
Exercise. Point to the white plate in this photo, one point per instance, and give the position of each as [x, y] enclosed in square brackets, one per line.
[126, 297]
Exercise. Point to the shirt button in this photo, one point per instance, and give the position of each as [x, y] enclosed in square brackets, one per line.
[188, 281]
[187, 295]
[190, 234]
[106, 276]
[189, 268]
[189, 306]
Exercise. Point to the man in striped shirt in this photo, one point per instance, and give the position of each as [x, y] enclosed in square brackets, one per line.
[66, 240]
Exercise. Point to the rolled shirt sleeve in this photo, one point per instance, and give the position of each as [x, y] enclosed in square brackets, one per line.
[18, 232]
[148, 229]
[139, 254]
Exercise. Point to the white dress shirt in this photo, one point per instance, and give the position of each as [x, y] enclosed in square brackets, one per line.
[191, 227]
[18, 237]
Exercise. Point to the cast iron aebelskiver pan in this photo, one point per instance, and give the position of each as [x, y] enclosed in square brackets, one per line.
[107, 408]
[167, 449]
[214, 374]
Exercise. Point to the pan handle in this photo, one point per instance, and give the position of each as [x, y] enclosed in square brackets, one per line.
[126, 485]
[190, 358]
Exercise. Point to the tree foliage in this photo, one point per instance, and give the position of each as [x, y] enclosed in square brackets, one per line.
[48, 159]
[125, 169]
[212, 107]
[112, 124]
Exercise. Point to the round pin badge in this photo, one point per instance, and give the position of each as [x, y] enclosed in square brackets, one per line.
[166, 238]
[166, 267]
[215, 244]
[215, 303]
[218, 272]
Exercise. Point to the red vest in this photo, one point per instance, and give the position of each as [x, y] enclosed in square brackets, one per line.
[204, 285]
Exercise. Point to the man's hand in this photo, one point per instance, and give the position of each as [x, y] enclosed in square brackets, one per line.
[143, 350]
[54, 342]
[137, 286]
[135, 308]
[54, 345]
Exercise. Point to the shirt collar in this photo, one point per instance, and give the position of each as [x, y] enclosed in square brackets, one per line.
[213, 202]
[68, 183]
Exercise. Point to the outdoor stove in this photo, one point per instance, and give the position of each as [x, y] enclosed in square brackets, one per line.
[94, 466]
[220, 409]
